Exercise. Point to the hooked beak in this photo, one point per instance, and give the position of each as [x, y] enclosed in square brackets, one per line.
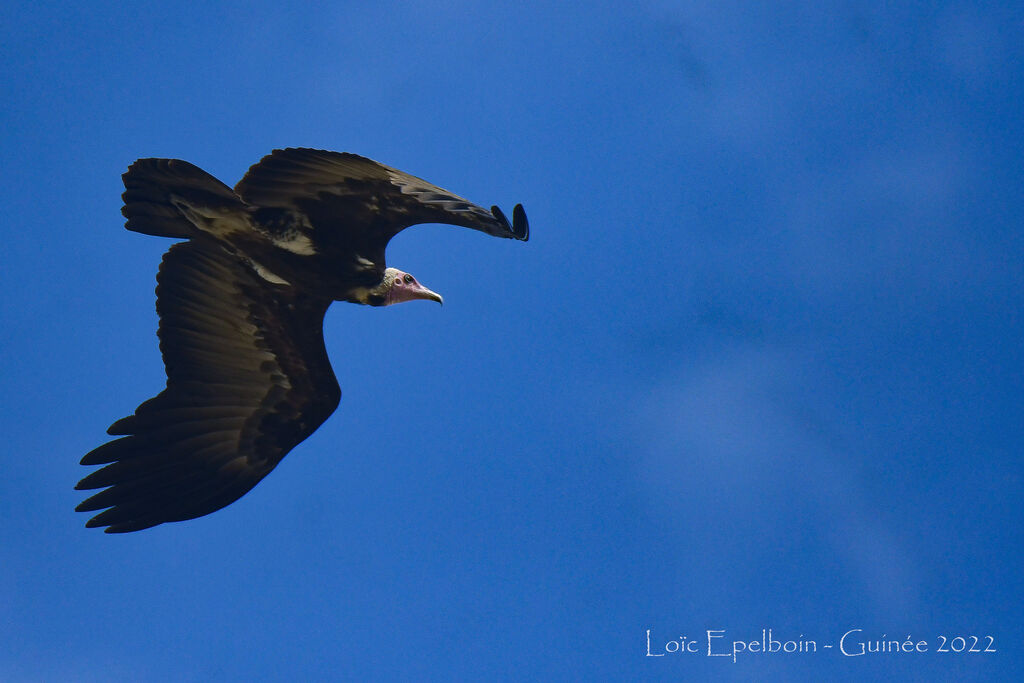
[404, 287]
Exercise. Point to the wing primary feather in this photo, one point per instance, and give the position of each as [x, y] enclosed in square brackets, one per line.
[520, 226]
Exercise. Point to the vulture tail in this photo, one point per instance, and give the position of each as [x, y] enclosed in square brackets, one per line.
[171, 198]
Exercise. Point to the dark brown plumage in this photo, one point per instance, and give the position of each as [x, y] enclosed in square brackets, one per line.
[241, 307]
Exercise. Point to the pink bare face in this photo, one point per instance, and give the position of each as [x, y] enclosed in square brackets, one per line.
[404, 287]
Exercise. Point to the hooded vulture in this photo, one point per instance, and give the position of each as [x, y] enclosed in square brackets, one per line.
[241, 306]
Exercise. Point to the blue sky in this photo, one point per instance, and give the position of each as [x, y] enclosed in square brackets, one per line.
[759, 366]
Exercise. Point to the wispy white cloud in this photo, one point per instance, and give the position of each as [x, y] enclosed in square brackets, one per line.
[722, 444]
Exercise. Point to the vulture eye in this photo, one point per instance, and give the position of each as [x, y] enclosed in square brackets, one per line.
[409, 279]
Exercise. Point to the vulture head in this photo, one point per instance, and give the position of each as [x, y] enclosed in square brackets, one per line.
[397, 287]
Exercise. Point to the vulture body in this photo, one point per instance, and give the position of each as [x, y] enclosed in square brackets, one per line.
[241, 306]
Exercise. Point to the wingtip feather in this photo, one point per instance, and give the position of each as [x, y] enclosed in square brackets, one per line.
[520, 226]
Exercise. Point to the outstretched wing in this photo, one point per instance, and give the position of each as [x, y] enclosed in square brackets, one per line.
[247, 380]
[359, 203]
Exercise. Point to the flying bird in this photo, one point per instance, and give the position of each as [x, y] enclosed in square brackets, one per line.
[241, 304]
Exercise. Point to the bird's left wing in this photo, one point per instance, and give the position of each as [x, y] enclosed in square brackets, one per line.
[247, 380]
[361, 201]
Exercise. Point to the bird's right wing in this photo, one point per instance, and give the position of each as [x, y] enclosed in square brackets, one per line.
[247, 380]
